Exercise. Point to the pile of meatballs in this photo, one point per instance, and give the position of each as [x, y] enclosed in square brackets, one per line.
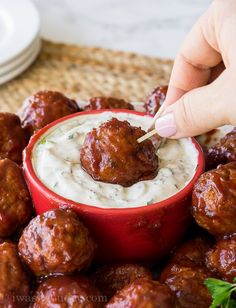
[48, 260]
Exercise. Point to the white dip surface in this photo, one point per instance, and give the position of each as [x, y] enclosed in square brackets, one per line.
[56, 161]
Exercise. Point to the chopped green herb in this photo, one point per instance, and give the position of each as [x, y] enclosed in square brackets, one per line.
[150, 202]
[71, 136]
[43, 141]
[221, 292]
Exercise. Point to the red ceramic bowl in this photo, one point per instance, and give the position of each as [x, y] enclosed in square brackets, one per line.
[130, 234]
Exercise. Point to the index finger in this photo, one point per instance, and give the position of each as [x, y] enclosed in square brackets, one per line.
[196, 58]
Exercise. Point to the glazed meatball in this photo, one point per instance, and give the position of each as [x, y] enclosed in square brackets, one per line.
[56, 242]
[111, 154]
[12, 137]
[222, 258]
[143, 293]
[223, 151]
[69, 292]
[111, 278]
[45, 107]
[214, 200]
[15, 201]
[14, 282]
[192, 252]
[187, 282]
[155, 99]
[97, 103]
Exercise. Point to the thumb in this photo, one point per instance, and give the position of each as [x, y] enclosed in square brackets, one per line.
[196, 112]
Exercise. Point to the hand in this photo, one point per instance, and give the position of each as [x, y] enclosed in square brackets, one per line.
[202, 88]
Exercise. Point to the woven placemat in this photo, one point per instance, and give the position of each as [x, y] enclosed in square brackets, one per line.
[82, 72]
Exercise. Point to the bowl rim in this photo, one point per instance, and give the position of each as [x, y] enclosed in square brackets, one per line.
[54, 197]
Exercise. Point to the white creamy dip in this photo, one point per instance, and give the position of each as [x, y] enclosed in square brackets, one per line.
[56, 161]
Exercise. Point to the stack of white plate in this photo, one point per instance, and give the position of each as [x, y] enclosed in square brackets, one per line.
[19, 37]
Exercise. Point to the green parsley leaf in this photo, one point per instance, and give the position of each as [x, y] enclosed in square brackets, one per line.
[221, 292]
[71, 136]
[43, 141]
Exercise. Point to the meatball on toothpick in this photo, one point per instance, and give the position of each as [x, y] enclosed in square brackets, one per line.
[111, 154]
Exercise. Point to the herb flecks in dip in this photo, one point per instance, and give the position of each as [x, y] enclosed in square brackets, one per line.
[56, 160]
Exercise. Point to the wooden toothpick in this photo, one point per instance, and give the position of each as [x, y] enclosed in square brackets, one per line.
[147, 135]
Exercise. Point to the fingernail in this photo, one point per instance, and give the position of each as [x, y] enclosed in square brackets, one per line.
[166, 126]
